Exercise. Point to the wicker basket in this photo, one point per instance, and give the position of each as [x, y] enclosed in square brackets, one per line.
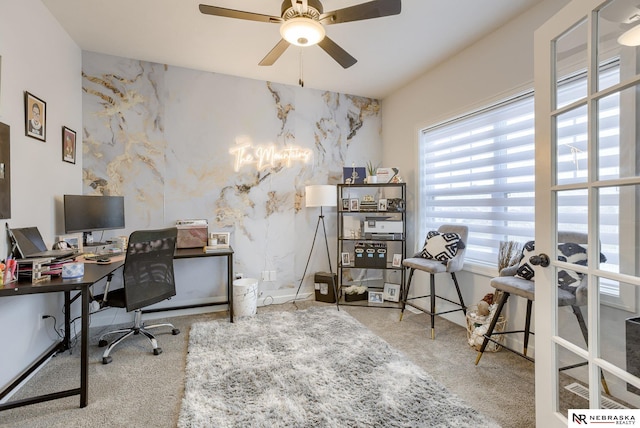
[477, 326]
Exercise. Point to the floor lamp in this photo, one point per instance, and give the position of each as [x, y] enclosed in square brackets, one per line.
[320, 195]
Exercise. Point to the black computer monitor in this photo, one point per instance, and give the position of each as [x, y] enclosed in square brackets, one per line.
[89, 213]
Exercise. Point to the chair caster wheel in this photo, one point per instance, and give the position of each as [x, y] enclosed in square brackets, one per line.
[157, 351]
[175, 331]
[102, 344]
[106, 360]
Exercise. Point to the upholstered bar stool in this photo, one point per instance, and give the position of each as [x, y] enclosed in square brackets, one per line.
[443, 252]
[513, 281]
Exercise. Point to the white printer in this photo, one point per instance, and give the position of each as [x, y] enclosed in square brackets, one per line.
[382, 228]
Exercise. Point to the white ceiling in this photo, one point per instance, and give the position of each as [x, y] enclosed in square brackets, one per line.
[391, 51]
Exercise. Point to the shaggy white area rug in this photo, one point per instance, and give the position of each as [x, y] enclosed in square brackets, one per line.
[317, 367]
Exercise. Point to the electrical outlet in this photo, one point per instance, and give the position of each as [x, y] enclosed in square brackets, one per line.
[272, 275]
[239, 275]
[265, 275]
[40, 321]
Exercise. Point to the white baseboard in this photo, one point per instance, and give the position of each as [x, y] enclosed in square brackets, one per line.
[114, 316]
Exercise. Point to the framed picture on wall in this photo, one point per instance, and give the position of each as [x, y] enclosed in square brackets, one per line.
[68, 145]
[35, 117]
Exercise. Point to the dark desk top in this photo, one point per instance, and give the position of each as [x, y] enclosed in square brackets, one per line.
[92, 273]
[187, 253]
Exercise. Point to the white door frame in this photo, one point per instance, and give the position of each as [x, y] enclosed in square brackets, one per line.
[546, 318]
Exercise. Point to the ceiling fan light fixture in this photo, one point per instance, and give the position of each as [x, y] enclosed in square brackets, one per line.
[302, 31]
[630, 37]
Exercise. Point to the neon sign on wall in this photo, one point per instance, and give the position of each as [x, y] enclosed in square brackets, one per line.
[267, 155]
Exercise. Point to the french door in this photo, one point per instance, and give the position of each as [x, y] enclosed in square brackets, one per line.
[587, 94]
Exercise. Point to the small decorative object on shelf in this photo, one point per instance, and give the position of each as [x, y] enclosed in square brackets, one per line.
[217, 241]
[368, 203]
[372, 177]
[355, 292]
[388, 175]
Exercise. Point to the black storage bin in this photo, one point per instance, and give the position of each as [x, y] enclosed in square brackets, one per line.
[370, 255]
[324, 287]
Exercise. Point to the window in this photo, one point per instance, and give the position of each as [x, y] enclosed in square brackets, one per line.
[478, 170]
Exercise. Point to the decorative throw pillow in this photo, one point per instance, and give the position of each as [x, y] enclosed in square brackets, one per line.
[576, 254]
[567, 252]
[441, 246]
[525, 270]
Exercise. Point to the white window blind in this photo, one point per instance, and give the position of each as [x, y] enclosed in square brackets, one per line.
[478, 169]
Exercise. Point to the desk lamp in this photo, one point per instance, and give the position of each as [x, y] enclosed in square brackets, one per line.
[320, 195]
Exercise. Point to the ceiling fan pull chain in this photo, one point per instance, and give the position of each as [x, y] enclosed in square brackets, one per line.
[301, 80]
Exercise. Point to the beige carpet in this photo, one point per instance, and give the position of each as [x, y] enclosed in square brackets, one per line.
[139, 389]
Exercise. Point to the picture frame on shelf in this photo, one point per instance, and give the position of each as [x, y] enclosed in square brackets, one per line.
[382, 204]
[354, 204]
[345, 204]
[68, 145]
[397, 260]
[386, 175]
[391, 292]
[73, 240]
[219, 240]
[354, 174]
[35, 117]
[376, 297]
[346, 259]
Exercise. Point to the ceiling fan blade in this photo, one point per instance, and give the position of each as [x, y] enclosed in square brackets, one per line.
[238, 14]
[369, 10]
[275, 53]
[337, 53]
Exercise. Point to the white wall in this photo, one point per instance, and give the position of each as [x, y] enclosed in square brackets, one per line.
[493, 68]
[37, 56]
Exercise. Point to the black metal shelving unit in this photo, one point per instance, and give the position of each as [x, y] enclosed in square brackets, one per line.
[372, 239]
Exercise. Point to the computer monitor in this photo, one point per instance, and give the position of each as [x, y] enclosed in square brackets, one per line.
[89, 213]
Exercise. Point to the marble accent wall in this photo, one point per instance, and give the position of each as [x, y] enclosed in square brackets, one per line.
[181, 144]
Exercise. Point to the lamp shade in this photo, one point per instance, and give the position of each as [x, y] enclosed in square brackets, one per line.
[302, 31]
[321, 195]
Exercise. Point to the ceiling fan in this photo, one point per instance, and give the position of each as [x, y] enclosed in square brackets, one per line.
[302, 23]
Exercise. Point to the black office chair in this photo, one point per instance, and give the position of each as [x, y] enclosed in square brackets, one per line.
[148, 279]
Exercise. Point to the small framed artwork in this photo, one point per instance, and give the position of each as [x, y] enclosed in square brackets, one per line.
[354, 204]
[70, 241]
[219, 239]
[382, 204]
[397, 260]
[376, 297]
[354, 174]
[345, 204]
[391, 292]
[35, 116]
[68, 145]
[346, 260]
